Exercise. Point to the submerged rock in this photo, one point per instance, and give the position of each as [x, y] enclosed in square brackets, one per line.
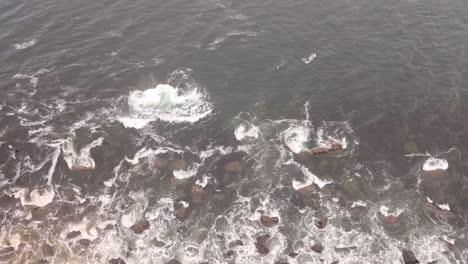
[321, 222]
[236, 243]
[73, 234]
[261, 244]
[293, 254]
[233, 167]
[388, 219]
[229, 253]
[177, 165]
[173, 261]
[408, 257]
[160, 163]
[116, 261]
[317, 248]
[140, 227]
[197, 194]
[269, 221]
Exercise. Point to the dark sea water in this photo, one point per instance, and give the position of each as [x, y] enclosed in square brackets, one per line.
[154, 131]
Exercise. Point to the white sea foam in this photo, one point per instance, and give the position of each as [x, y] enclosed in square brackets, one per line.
[36, 198]
[445, 207]
[432, 164]
[166, 103]
[186, 174]
[83, 159]
[309, 59]
[243, 131]
[386, 211]
[296, 136]
[25, 45]
[310, 178]
[358, 204]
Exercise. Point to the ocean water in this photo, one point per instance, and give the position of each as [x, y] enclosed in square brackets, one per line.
[157, 131]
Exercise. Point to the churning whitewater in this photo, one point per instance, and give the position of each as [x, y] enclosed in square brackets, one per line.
[240, 132]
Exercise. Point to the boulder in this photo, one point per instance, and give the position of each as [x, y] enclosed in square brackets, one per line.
[261, 244]
[269, 221]
[73, 234]
[321, 222]
[197, 194]
[236, 243]
[408, 257]
[334, 146]
[317, 248]
[116, 261]
[233, 167]
[140, 227]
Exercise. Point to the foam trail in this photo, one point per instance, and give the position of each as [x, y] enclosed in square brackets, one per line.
[243, 132]
[309, 59]
[25, 45]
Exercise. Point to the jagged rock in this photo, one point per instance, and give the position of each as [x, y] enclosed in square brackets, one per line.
[116, 261]
[317, 248]
[261, 244]
[321, 222]
[236, 243]
[307, 189]
[233, 167]
[73, 234]
[140, 227]
[84, 242]
[334, 146]
[293, 254]
[408, 257]
[173, 261]
[197, 194]
[389, 219]
[77, 168]
[229, 253]
[269, 221]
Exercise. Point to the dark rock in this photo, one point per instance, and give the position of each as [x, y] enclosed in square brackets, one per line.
[261, 244]
[47, 250]
[408, 257]
[229, 253]
[182, 213]
[84, 242]
[334, 146]
[236, 243]
[317, 248]
[269, 221]
[335, 262]
[6, 250]
[173, 261]
[281, 262]
[139, 227]
[321, 222]
[81, 168]
[116, 261]
[197, 194]
[293, 254]
[73, 234]
[42, 261]
[159, 243]
[233, 167]
[389, 219]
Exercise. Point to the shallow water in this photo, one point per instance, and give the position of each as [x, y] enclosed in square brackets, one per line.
[146, 131]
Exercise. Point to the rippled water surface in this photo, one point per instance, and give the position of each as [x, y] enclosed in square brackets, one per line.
[188, 131]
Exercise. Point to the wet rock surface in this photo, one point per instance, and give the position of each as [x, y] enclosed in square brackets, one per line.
[408, 257]
[261, 244]
[140, 227]
[269, 221]
[317, 248]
